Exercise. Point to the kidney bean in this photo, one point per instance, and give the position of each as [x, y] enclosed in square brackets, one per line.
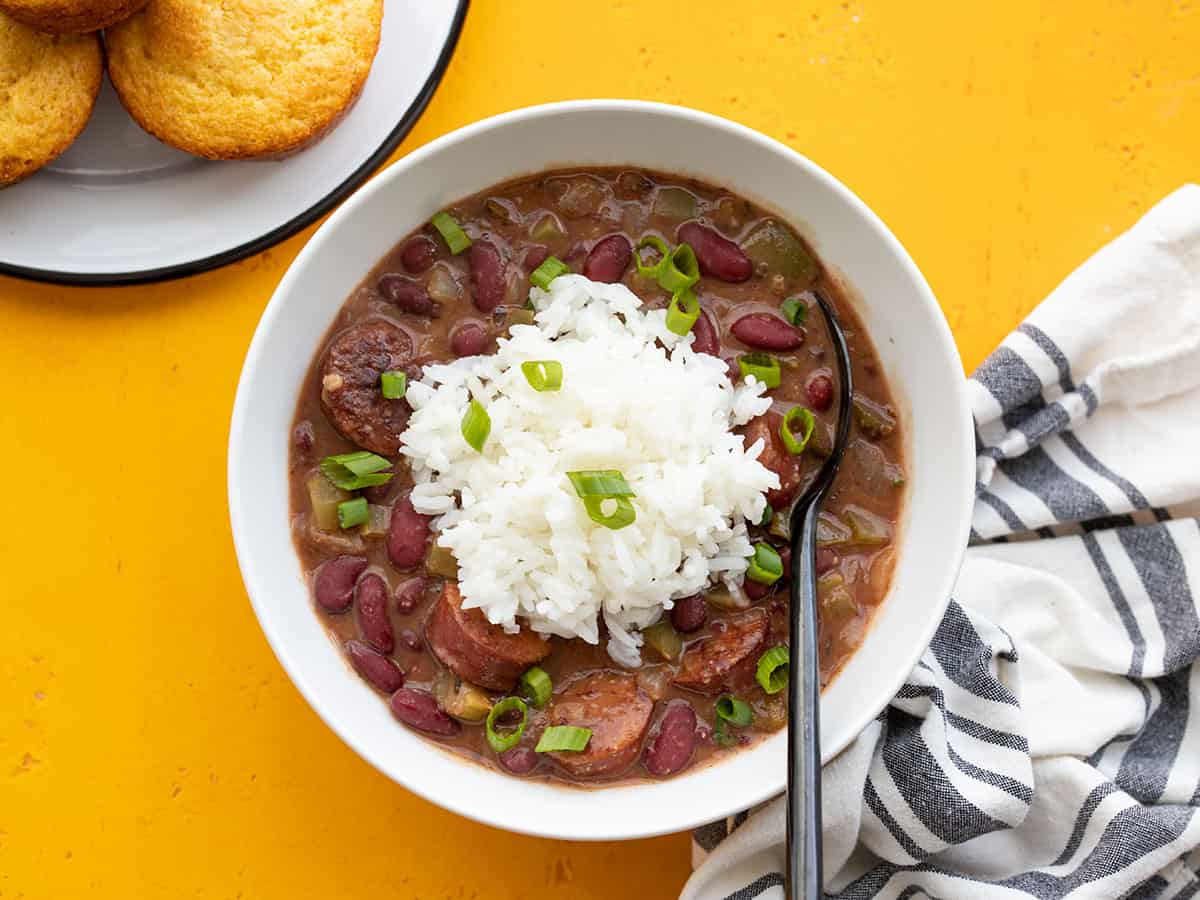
[718, 256]
[303, 437]
[487, 275]
[535, 256]
[418, 709]
[609, 259]
[334, 584]
[375, 667]
[409, 595]
[689, 613]
[819, 390]
[705, 336]
[373, 622]
[412, 640]
[519, 760]
[826, 559]
[672, 748]
[418, 254]
[378, 493]
[756, 590]
[763, 331]
[407, 295]
[407, 535]
[469, 339]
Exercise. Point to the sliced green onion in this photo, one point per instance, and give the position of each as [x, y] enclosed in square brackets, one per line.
[767, 516]
[536, 685]
[563, 737]
[651, 271]
[772, 672]
[621, 513]
[543, 374]
[505, 740]
[765, 565]
[796, 443]
[357, 470]
[393, 384]
[762, 366]
[679, 270]
[683, 311]
[456, 239]
[600, 483]
[550, 269]
[734, 711]
[353, 512]
[476, 425]
[795, 310]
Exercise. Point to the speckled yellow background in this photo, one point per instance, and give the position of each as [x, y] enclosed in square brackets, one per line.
[150, 746]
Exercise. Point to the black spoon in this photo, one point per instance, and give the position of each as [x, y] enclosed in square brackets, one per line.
[803, 876]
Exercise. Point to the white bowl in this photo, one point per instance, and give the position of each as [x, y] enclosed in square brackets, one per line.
[900, 312]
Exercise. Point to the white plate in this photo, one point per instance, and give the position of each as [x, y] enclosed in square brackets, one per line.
[901, 314]
[120, 208]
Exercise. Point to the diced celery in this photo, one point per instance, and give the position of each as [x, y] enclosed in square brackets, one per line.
[460, 699]
[520, 317]
[674, 203]
[378, 519]
[780, 525]
[831, 531]
[663, 640]
[770, 710]
[722, 598]
[441, 562]
[830, 580]
[654, 680]
[774, 247]
[839, 602]
[875, 419]
[547, 228]
[323, 499]
[866, 527]
[442, 286]
[502, 210]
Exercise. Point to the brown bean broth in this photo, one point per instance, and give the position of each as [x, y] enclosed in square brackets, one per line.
[591, 206]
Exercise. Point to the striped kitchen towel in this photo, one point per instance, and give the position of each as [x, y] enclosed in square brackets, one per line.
[1048, 743]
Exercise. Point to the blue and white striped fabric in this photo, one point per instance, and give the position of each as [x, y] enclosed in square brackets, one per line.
[1048, 743]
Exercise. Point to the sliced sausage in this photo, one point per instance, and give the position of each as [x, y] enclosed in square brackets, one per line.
[350, 385]
[775, 456]
[476, 650]
[720, 659]
[617, 711]
[671, 748]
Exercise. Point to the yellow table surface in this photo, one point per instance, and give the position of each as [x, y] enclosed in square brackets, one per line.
[151, 746]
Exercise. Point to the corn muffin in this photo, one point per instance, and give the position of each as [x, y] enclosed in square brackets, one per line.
[48, 85]
[243, 78]
[70, 16]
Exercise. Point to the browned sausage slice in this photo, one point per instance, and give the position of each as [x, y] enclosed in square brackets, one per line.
[721, 658]
[617, 711]
[775, 456]
[475, 649]
[350, 384]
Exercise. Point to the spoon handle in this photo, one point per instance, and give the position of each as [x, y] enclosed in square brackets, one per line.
[804, 877]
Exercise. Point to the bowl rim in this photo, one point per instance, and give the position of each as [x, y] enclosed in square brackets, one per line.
[884, 690]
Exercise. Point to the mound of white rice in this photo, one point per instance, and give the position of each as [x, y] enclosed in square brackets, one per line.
[525, 546]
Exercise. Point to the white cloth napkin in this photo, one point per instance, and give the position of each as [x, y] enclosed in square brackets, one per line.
[1048, 743]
